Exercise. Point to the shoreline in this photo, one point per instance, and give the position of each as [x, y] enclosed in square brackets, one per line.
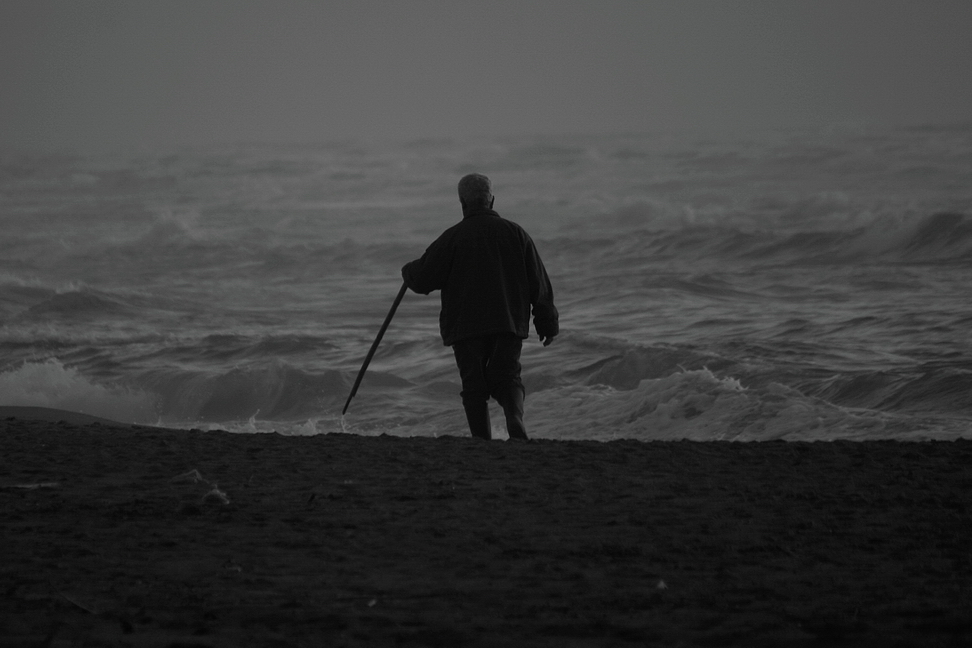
[150, 536]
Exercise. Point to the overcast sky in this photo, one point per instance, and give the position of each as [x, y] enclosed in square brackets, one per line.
[88, 74]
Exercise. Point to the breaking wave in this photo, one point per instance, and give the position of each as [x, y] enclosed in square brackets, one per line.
[51, 384]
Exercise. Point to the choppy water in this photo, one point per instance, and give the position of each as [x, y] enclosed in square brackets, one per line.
[796, 286]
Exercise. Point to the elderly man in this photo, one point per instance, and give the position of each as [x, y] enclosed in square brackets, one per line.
[491, 277]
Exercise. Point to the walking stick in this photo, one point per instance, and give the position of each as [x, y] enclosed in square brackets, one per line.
[374, 347]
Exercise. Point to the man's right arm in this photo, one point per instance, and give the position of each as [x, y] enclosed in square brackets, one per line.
[431, 271]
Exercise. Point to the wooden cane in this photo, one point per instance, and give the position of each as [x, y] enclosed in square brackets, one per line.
[374, 346]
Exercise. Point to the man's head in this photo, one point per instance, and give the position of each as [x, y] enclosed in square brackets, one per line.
[475, 191]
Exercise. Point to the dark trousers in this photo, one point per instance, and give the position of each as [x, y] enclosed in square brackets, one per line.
[489, 366]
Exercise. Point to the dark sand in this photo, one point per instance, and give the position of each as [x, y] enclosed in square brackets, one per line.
[110, 539]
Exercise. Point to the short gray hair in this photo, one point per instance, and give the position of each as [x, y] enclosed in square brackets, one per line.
[475, 190]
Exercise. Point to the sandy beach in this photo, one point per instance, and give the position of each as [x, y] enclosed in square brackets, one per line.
[136, 536]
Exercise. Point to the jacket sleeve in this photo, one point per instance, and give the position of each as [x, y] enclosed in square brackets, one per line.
[431, 271]
[546, 319]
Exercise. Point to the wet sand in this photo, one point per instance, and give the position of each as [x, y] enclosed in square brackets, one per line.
[121, 535]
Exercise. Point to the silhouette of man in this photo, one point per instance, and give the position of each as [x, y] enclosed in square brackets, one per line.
[491, 277]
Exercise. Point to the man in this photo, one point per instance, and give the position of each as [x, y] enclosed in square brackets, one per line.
[490, 276]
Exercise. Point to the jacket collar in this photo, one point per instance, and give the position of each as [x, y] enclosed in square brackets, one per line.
[479, 211]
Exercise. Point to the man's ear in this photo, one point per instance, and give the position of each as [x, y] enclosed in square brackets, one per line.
[491, 200]
[462, 203]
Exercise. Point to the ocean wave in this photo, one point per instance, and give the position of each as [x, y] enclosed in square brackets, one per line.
[35, 304]
[82, 303]
[644, 394]
[228, 349]
[270, 390]
[940, 237]
[744, 393]
[540, 154]
[936, 238]
[52, 384]
[931, 387]
[699, 405]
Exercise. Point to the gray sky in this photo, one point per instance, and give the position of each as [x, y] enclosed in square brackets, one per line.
[88, 74]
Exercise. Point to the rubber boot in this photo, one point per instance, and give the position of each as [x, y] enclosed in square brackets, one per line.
[512, 403]
[477, 415]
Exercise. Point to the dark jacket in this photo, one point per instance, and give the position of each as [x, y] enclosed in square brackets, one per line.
[490, 276]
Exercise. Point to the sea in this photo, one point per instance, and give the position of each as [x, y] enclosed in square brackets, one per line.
[799, 285]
